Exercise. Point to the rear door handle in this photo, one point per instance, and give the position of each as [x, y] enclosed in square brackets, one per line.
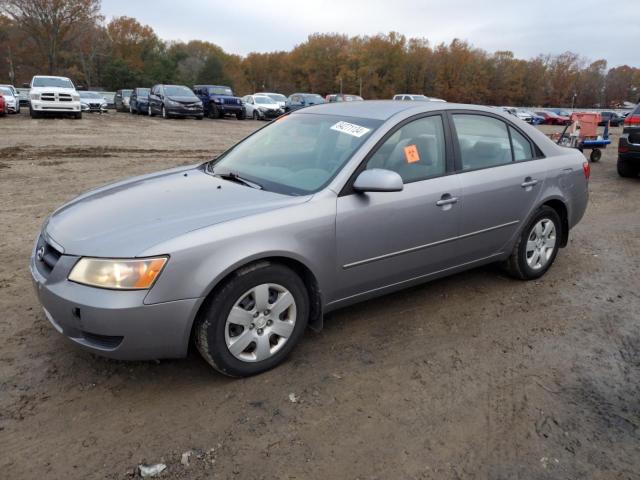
[446, 199]
[529, 182]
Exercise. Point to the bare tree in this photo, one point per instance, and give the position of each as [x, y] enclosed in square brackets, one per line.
[50, 23]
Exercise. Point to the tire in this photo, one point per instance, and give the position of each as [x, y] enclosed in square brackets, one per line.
[164, 112]
[130, 109]
[255, 115]
[213, 111]
[214, 333]
[199, 117]
[150, 112]
[77, 115]
[596, 155]
[523, 266]
[241, 115]
[33, 113]
[627, 169]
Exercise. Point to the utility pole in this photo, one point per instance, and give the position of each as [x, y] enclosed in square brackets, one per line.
[340, 84]
[360, 90]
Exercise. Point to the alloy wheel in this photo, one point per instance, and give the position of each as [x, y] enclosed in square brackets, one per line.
[541, 243]
[260, 322]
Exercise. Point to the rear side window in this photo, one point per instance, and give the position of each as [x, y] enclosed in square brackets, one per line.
[416, 151]
[521, 146]
[483, 141]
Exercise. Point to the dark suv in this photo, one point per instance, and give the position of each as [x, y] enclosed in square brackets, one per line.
[219, 101]
[174, 101]
[629, 145]
[613, 118]
[139, 101]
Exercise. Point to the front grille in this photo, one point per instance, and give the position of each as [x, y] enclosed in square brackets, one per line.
[49, 97]
[64, 97]
[231, 101]
[46, 256]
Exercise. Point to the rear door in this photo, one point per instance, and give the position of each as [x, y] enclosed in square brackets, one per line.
[501, 179]
[386, 238]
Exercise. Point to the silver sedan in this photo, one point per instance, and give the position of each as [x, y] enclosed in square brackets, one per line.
[328, 206]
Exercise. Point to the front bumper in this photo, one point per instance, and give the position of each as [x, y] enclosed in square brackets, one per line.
[55, 106]
[114, 324]
[270, 114]
[229, 108]
[94, 108]
[184, 111]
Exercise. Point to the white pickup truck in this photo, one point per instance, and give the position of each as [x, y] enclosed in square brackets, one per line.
[53, 94]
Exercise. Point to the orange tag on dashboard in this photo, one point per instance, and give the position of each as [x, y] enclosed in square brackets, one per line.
[411, 154]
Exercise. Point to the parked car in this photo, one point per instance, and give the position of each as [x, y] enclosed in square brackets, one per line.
[261, 107]
[15, 94]
[612, 118]
[121, 100]
[219, 101]
[23, 96]
[297, 101]
[629, 145]
[3, 105]
[53, 95]
[560, 111]
[277, 97]
[110, 99]
[92, 102]
[416, 97]
[329, 206]
[139, 101]
[174, 101]
[551, 118]
[343, 97]
[12, 102]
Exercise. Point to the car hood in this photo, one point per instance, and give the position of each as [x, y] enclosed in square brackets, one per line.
[52, 89]
[126, 218]
[184, 99]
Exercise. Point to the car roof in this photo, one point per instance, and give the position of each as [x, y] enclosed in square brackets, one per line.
[385, 109]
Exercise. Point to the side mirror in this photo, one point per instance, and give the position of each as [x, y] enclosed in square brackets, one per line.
[378, 180]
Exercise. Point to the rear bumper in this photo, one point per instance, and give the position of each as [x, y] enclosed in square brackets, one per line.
[628, 149]
[113, 324]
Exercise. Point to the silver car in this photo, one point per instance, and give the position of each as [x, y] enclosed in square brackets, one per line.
[325, 207]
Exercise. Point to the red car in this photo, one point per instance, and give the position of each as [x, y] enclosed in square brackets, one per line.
[3, 106]
[551, 118]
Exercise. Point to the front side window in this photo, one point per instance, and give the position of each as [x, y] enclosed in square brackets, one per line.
[416, 151]
[297, 154]
[483, 141]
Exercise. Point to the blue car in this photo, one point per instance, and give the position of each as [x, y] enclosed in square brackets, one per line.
[139, 101]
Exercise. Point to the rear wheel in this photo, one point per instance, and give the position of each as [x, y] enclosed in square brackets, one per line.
[537, 247]
[627, 168]
[253, 321]
[596, 155]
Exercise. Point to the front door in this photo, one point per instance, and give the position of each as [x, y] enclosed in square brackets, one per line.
[386, 238]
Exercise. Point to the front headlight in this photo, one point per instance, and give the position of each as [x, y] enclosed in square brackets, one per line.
[75, 97]
[134, 274]
[262, 109]
[170, 102]
[217, 100]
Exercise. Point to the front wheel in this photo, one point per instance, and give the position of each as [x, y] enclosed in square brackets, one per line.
[32, 113]
[537, 247]
[255, 115]
[253, 321]
[150, 112]
[164, 112]
[596, 155]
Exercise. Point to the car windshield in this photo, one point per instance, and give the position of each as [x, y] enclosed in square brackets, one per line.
[6, 91]
[277, 97]
[352, 98]
[298, 154]
[220, 91]
[313, 98]
[143, 92]
[263, 100]
[177, 91]
[419, 97]
[52, 82]
[126, 93]
[90, 95]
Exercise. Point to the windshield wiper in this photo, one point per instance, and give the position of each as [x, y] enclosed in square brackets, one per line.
[234, 177]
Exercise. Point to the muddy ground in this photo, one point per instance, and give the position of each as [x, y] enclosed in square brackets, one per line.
[472, 377]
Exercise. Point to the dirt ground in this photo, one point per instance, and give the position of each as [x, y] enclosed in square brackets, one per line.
[472, 377]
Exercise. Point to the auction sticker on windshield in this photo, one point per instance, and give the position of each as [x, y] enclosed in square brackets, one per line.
[350, 129]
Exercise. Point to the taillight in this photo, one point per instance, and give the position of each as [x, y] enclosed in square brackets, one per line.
[632, 120]
[622, 149]
[586, 168]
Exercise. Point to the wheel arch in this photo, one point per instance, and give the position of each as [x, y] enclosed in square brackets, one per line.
[299, 267]
[560, 206]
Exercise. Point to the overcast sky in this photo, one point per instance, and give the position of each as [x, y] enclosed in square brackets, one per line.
[593, 28]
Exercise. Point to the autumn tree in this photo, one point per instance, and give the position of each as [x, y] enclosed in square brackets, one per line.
[51, 24]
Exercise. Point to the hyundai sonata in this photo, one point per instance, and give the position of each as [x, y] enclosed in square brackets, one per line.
[328, 206]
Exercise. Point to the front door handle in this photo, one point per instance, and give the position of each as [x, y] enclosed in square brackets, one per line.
[529, 182]
[446, 199]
